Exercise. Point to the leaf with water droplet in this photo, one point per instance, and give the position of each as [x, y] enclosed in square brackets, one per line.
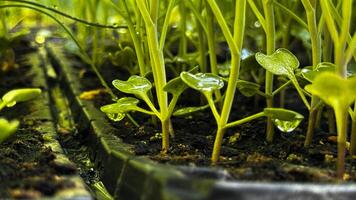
[285, 120]
[334, 90]
[7, 128]
[281, 62]
[134, 85]
[122, 105]
[19, 95]
[309, 74]
[248, 88]
[203, 82]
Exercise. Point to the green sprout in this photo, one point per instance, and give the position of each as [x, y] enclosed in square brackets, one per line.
[10, 99]
[339, 93]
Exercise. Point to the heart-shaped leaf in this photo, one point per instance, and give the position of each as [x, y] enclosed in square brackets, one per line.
[7, 128]
[281, 62]
[134, 85]
[247, 88]
[19, 95]
[334, 90]
[203, 82]
[309, 74]
[285, 120]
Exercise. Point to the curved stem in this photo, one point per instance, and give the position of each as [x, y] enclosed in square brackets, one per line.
[66, 15]
[245, 120]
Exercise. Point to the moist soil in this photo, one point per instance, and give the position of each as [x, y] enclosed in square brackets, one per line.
[27, 167]
[245, 153]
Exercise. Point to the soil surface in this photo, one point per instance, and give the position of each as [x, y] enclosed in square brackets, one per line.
[27, 167]
[245, 153]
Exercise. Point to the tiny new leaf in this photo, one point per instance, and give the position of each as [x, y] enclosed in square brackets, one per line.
[19, 95]
[248, 88]
[7, 128]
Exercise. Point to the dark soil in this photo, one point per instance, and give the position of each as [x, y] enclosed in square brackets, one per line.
[245, 153]
[27, 167]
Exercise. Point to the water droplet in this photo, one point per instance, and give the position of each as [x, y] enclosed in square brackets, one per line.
[287, 126]
[257, 24]
[116, 117]
[40, 39]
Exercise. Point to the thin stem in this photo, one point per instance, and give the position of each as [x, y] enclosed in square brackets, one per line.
[237, 41]
[300, 92]
[270, 38]
[245, 120]
[258, 14]
[166, 23]
[281, 87]
[341, 123]
[66, 15]
[209, 98]
[291, 13]
[353, 132]
[329, 20]
[67, 30]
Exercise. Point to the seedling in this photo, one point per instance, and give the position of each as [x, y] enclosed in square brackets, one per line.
[10, 99]
[339, 93]
[208, 83]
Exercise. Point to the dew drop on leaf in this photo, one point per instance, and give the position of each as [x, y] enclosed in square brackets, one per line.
[115, 117]
[286, 125]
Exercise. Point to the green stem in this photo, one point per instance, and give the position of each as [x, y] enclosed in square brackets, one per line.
[159, 71]
[235, 47]
[211, 46]
[166, 24]
[341, 124]
[353, 133]
[66, 15]
[209, 98]
[245, 120]
[300, 92]
[67, 30]
[270, 38]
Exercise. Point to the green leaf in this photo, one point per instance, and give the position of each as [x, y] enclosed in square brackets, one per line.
[122, 105]
[285, 120]
[334, 90]
[248, 88]
[176, 86]
[19, 95]
[281, 62]
[124, 57]
[189, 110]
[203, 82]
[7, 128]
[309, 74]
[134, 85]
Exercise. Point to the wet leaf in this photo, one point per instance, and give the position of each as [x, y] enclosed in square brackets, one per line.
[334, 90]
[189, 110]
[7, 128]
[281, 62]
[309, 74]
[176, 86]
[122, 105]
[203, 82]
[285, 120]
[248, 88]
[19, 95]
[134, 85]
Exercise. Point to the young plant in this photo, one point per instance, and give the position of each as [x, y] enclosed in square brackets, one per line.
[339, 93]
[10, 99]
[208, 83]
